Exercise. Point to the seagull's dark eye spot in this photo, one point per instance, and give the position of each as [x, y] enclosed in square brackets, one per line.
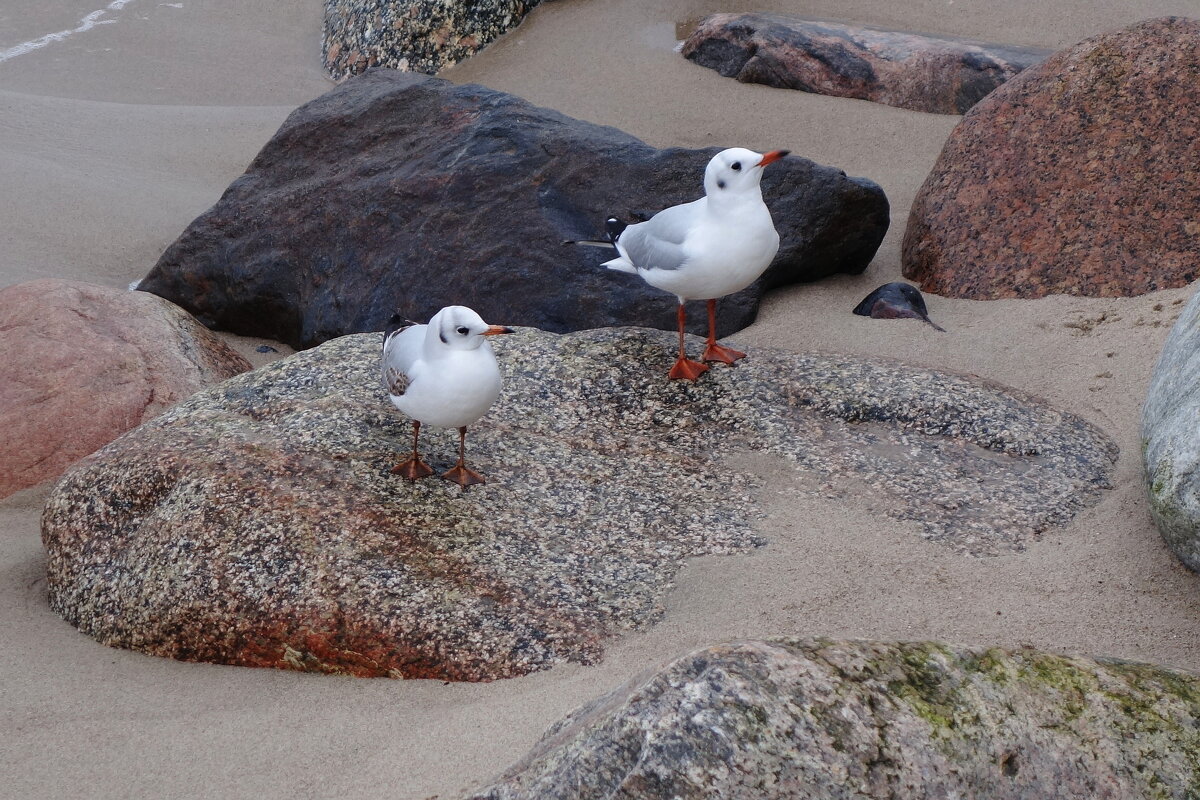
[720, 184]
[463, 330]
[737, 166]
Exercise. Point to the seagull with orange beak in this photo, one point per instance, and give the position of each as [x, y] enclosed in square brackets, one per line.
[706, 249]
[443, 374]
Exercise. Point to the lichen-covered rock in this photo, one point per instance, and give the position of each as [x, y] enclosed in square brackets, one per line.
[82, 364]
[1078, 176]
[837, 720]
[258, 522]
[938, 74]
[419, 35]
[398, 192]
[1171, 437]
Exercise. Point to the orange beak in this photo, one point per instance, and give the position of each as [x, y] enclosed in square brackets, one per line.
[495, 329]
[774, 155]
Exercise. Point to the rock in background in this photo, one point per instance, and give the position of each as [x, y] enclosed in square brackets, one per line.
[1076, 177]
[1171, 437]
[925, 73]
[83, 364]
[258, 523]
[419, 35]
[790, 718]
[397, 192]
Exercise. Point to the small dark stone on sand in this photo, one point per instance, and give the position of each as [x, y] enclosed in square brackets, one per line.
[265, 348]
[897, 300]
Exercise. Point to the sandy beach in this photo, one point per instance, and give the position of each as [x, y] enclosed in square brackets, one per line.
[114, 137]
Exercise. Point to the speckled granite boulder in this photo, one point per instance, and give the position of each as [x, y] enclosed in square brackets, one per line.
[925, 73]
[1076, 177]
[400, 192]
[82, 364]
[419, 35]
[258, 523]
[1171, 437]
[835, 720]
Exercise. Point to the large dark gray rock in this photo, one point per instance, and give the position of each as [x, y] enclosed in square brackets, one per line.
[258, 523]
[1171, 437]
[420, 35]
[831, 720]
[939, 74]
[397, 192]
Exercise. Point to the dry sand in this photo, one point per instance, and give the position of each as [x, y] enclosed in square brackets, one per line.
[114, 138]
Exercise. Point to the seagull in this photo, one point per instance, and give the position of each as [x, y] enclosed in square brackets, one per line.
[705, 249]
[442, 374]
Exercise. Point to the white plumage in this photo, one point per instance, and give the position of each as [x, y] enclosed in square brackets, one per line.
[708, 248]
[442, 374]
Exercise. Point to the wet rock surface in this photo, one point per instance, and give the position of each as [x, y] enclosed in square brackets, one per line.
[925, 73]
[1076, 177]
[792, 718]
[82, 364]
[418, 35]
[1171, 440]
[401, 193]
[258, 523]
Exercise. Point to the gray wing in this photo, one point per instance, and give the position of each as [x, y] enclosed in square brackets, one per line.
[657, 243]
[400, 350]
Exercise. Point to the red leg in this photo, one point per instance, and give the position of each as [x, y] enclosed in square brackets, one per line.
[459, 473]
[414, 468]
[689, 370]
[714, 351]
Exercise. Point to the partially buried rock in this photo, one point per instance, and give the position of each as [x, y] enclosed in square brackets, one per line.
[420, 35]
[397, 192]
[925, 73]
[837, 720]
[83, 364]
[1076, 177]
[259, 524]
[897, 300]
[1171, 438]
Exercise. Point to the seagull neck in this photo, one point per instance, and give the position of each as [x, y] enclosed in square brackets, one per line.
[732, 202]
[434, 348]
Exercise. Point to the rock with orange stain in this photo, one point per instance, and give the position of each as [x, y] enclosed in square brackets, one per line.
[1078, 176]
[83, 364]
[259, 523]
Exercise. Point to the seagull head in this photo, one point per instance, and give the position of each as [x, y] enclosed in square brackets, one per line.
[736, 170]
[460, 328]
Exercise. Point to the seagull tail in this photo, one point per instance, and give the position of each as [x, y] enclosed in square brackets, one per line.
[613, 227]
[589, 243]
[621, 264]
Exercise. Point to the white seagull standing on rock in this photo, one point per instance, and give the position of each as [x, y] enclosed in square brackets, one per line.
[442, 374]
[709, 248]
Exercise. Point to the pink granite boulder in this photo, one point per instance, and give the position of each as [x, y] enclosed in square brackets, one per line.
[83, 364]
[1079, 176]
